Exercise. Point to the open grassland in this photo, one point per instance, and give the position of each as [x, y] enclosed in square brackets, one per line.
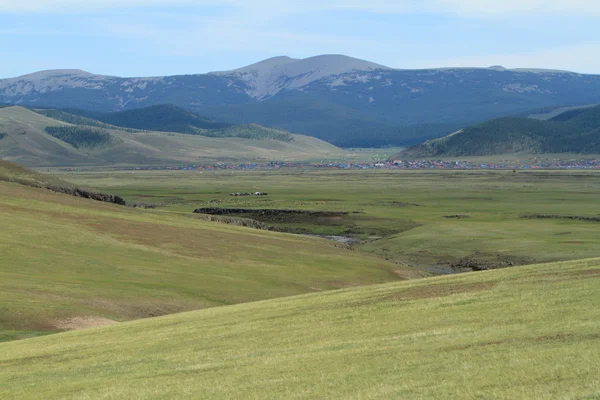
[440, 220]
[67, 262]
[519, 333]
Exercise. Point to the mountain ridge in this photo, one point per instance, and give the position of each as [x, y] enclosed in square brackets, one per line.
[331, 97]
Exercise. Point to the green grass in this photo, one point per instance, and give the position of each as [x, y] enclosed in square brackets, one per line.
[65, 257]
[400, 214]
[521, 333]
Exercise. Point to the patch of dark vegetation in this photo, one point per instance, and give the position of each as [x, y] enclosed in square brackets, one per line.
[267, 212]
[457, 216]
[300, 222]
[3, 135]
[483, 262]
[81, 136]
[73, 119]
[249, 131]
[555, 216]
[143, 206]
[403, 204]
[86, 194]
[248, 223]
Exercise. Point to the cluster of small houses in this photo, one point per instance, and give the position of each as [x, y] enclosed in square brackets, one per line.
[393, 164]
[238, 194]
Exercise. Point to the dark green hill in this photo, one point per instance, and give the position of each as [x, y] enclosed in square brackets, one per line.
[575, 131]
[166, 118]
[163, 118]
[79, 120]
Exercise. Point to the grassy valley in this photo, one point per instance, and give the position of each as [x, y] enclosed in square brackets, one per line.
[441, 221]
[68, 260]
[277, 315]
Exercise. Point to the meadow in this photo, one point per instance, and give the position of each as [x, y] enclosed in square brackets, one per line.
[70, 263]
[440, 221]
[164, 303]
[518, 333]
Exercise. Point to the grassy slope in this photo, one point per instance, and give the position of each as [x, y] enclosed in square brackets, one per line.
[522, 333]
[11, 172]
[65, 257]
[28, 144]
[413, 202]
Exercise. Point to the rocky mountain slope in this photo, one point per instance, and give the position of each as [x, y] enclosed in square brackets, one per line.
[336, 98]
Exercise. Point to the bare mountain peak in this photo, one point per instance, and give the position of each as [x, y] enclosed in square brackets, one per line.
[269, 77]
[57, 73]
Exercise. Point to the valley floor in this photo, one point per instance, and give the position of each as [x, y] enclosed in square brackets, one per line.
[179, 305]
[442, 221]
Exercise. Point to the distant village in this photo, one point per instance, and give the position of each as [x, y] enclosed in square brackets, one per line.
[388, 165]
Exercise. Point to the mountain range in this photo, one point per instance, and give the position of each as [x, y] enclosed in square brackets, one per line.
[345, 101]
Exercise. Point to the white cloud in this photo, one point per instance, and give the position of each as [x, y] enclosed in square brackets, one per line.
[583, 58]
[472, 8]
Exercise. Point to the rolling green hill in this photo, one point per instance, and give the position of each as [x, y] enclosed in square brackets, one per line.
[522, 333]
[68, 259]
[27, 141]
[574, 131]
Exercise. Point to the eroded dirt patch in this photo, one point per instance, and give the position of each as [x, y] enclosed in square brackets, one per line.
[77, 323]
[587, 273]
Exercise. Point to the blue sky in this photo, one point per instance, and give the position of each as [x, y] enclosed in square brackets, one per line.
[157, 37]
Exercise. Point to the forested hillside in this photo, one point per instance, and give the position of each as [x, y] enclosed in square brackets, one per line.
[163, 117]
[575, 131]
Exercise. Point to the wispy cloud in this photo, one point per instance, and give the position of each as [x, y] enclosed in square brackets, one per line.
[166, 36]
[462, 7]
[579, 57]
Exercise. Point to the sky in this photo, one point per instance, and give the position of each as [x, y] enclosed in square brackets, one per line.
[170, 37]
